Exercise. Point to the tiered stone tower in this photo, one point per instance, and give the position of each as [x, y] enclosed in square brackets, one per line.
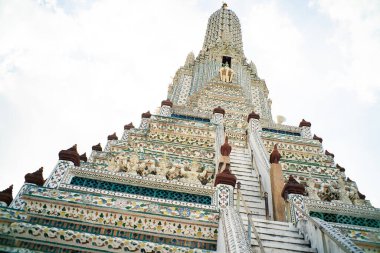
[212, 172]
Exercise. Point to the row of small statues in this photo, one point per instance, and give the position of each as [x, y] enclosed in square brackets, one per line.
[191, 173]
[226, 73]
[342, 191]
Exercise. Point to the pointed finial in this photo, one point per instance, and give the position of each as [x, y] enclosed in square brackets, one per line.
[275, 156]
[112, 137]
[146, 115]
[6, 195]
[35, 177]
[224, 6]
[70, 154]
[304, 123]
[83, 157]
[97, 147]
[129, 126]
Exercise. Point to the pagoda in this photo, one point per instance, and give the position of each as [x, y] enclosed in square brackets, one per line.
[209, 172]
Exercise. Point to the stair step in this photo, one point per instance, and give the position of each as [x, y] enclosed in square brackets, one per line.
[289, 227]
[282, 239]
[251, 199]
[277, 232]
[281, 249]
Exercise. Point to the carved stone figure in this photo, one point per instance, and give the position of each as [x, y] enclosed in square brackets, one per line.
[192, 174]
[174, 172]
[147, 167]
[311, 190]
[163, 167]
[343, 193]
[328, 192]
[133, 164]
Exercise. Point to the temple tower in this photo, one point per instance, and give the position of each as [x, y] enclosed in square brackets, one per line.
[210, 172]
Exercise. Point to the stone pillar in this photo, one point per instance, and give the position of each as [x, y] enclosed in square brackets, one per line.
[218, 116]
[254, 122]
[294, 192]
[224, 195]
[166, 108]
[218, 119]
[305, 129]
[277, 184]
[145, 120]
[127, 129]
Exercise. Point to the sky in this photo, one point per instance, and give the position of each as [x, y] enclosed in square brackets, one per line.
[74, 72]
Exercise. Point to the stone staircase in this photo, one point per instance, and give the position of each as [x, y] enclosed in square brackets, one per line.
[276, 237]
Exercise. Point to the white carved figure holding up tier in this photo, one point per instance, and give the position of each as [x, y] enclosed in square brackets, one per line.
[192, 174]
[163, 167]
[147, 167]
[226, 73]
[133, 164]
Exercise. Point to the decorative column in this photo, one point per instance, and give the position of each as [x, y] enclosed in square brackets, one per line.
[277, 184]
[254, 122]
[145, 120]
[218, 119]
[127, 129]
[305, 129]
[225, 181]
[166, 108]
[6, 197]
[294, 192]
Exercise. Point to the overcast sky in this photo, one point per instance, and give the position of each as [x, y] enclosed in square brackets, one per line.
[73, 72]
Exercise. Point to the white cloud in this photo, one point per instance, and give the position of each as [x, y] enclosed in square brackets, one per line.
[356, 34]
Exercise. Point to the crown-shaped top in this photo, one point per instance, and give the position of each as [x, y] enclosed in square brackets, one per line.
[223, 28]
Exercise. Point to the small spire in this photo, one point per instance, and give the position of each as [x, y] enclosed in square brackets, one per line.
[167, 102]
[6, 195]
[112, 137]
[275, 156]
[304, 123]
[253, 115]
[329, 154]
[97, 147]
[219, 110]
[35, 177]
[83, 157]
[70, 154]
[146, 115]
[224, 6]
[129, 126]
[315, 137]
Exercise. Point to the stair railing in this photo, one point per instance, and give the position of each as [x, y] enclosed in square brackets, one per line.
[260, 163]
[321, 235]
[263, 194]
[251, 225]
